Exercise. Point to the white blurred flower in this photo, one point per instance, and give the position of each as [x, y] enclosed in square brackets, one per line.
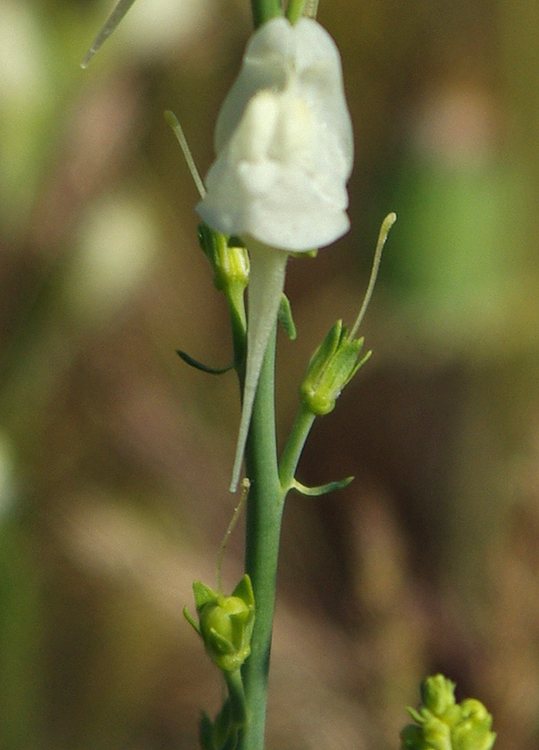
[284, 142]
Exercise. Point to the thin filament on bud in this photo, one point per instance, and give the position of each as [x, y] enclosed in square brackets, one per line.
[382, 237]
[174, 123]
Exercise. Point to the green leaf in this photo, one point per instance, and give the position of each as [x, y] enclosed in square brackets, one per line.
[286, 319]
[192, 362]
[323, 489]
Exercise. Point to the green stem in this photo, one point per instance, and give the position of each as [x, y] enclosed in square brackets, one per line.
[264, 10]
[263, 528]
[236, 696]
[236, 304]
[294, 446]
[269, 487]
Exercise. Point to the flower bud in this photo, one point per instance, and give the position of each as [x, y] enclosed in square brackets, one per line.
[228, 258]
[473, 731]
[443, 724]
[437, 694]
[331, 367]
[225, 623]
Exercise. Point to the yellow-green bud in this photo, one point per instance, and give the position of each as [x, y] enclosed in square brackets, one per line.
[225, 623]
[222, 626]
[331, 367]
[227, 256]
[436, 734]
[473, 731]
[438, 694]
[443, 724]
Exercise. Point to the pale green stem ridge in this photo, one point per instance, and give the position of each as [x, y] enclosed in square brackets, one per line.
[266, 284]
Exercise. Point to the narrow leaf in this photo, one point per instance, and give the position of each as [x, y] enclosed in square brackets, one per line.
[192, 362]
[116, 15]
[286, 319]
[323, 489]
[191, 620]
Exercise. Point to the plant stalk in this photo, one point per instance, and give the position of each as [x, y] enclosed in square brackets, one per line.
[263, 529]
[294, 446]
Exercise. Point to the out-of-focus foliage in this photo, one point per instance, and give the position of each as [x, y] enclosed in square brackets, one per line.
[114, 456]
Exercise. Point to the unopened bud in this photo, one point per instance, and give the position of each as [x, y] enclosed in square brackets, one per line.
[438, 694]
[443, 724]
[225, 623]
[331, 368]
[227, 256]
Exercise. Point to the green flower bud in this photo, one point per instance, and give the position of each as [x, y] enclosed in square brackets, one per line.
[227, 256]
[473, 731]
[225, 623]
[443, 724]
[331, 367]
[438, 694]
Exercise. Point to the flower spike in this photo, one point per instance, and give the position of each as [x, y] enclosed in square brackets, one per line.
[284, 154]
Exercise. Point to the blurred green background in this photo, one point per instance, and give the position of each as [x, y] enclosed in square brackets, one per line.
[115, 457]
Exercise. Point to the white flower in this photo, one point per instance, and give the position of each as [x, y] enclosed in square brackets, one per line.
[284, 142]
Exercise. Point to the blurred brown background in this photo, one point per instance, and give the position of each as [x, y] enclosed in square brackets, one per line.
[114, 456]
